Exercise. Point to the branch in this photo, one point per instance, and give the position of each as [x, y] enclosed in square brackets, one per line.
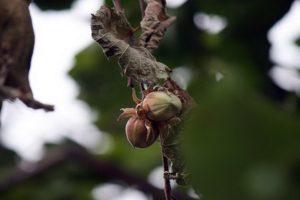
[140, 66]
[102, 170]
[167, 187]
[16, 48]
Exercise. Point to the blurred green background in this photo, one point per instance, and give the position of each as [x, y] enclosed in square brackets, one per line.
[242, 141]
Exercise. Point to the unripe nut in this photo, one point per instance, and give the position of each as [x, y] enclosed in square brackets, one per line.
[137, 134]
[161, 106]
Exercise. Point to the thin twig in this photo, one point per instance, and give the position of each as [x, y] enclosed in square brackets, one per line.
[167, 184]
[142, 7]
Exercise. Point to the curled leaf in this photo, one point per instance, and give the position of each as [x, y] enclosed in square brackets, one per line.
[114, 34]
[154, 24]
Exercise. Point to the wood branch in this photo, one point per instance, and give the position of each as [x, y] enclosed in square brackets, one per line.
[78, 155]
[16, 48]
[140, 66]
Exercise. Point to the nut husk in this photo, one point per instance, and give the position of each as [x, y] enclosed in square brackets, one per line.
[161, 105]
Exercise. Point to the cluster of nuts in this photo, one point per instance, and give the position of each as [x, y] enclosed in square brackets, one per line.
[156, 107]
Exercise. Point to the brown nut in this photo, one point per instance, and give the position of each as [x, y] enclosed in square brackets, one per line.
[138, 134]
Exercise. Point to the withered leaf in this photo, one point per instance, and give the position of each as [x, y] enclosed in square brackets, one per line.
[154, 24]
[16, 48]
[114, 34]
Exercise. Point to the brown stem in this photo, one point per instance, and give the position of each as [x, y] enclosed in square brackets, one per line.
[142, 7]
[118, 6]
[167, 185]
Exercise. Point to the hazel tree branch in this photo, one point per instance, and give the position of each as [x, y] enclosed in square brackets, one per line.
[134, 55]
[78, 155]
[167, 184]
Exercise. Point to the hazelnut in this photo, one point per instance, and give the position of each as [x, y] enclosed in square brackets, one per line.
[161, 105]
[138, 134]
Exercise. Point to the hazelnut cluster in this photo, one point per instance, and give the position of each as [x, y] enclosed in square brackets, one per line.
[155, 107]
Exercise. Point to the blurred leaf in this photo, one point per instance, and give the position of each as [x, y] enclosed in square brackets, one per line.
[240, 145]
[298, 41]
[8, 159]
[68, 181]
[103, 88]
[54, 4]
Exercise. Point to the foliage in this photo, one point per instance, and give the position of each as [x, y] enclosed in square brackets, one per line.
[247, 147]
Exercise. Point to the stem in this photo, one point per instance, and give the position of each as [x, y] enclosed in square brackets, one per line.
[142, 7]
[167, 189]
[164, 3]
[118, 6]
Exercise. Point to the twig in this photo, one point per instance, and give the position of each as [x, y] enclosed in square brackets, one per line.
[167, 185]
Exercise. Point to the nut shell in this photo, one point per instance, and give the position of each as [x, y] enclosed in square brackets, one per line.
[138, 135]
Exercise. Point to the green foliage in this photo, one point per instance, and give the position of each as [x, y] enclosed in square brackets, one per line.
[69, 181]
[298, 41]
[103, 88]
[246, 147]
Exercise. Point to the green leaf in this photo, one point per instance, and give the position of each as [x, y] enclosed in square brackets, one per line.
[240, 145]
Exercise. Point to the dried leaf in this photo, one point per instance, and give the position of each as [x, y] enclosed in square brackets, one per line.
[16, 48]
[114, 34]
[154, 24]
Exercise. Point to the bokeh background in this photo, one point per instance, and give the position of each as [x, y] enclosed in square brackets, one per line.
[240, 61]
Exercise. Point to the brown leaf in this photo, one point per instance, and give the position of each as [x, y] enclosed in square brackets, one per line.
[154, 24]
[114, 34]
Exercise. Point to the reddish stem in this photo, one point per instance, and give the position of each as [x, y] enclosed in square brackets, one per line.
[167, 185]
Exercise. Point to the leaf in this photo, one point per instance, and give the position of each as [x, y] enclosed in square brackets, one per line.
[154, 24]
[16, 47]
[240, 144]
[114, 34]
